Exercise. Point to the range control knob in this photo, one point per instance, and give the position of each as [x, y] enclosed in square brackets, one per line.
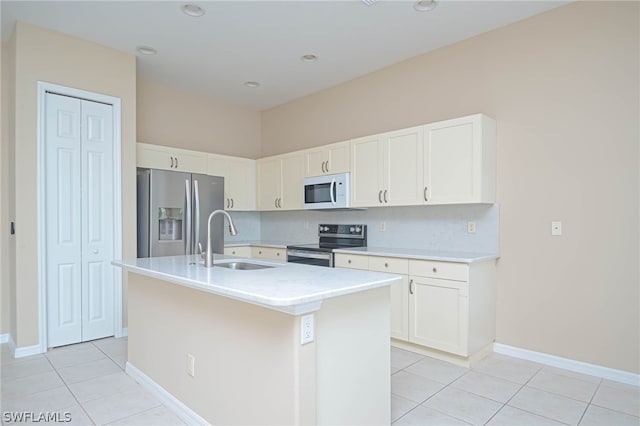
[358, 229]
[352, 229]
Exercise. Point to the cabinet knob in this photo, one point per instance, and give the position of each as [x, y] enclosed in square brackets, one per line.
[233, 252]
[386, 265]
[278, 254]
[260, 252]
[349, 261]
[435, 269]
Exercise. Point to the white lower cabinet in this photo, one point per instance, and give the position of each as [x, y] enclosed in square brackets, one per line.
[446, 306]
[241, 251]
[269, 253]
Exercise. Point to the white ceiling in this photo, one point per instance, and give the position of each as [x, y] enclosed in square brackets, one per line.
[239, 41]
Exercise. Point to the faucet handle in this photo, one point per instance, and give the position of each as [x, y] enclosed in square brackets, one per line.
[202, 253]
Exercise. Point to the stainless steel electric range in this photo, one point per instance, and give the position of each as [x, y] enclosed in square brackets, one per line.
[331, 237]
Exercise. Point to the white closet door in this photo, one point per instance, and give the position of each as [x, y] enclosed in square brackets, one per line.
[79, 220]
[97, 220]
[63, 220]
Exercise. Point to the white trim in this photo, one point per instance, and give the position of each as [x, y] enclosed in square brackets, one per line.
[124, 332]
[185, 413]
[4, 338]
[569, 364]
[12, 345]
[43, 88]
[27, 351]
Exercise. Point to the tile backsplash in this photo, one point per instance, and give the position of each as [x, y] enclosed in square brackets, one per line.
[428, 227]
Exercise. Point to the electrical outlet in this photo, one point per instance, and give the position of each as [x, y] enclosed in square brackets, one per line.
[556, 228]
[383, 226]
[191, 365]
[471, 227]
[306, 329]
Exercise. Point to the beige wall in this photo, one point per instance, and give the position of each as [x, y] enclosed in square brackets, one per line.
[563, 87]
[43, 55]
[171, 117]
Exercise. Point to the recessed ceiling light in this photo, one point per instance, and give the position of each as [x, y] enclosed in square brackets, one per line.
[251, 83]
[369, 2]
[146, 50]
[192, 10]
[425, 5]
[308, 58]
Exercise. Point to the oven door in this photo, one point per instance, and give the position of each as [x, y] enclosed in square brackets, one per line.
[310, 257]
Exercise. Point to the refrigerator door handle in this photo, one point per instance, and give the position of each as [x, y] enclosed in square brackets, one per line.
[187, 216]
[196, 235]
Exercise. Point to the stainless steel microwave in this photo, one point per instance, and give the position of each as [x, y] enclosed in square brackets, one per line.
[327, 192]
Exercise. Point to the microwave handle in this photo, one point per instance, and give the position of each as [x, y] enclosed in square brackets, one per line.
[331, 189]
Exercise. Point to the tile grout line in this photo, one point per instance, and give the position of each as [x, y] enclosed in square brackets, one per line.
[590, 401]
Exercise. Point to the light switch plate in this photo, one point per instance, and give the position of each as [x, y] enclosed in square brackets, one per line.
[556, 228]
[471, 227]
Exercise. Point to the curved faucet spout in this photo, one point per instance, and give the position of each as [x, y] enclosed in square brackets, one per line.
[208, 260]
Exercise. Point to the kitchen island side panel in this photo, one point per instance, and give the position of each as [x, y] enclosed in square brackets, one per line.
[249, 365]
[353, 359]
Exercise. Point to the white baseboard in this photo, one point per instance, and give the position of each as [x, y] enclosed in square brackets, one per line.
[185, 413]
[569, 364]
[122, 333]
[27, 351]
[4, 338]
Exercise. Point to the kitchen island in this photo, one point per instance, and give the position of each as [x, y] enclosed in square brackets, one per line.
[225, 346]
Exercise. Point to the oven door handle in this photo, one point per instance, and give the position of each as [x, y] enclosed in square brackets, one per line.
[309, 255]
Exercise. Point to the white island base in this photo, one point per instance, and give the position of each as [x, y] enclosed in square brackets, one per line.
[250, 365]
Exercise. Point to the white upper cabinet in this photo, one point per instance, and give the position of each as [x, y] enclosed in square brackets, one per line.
[165, 158]
[327, 159]
[460, 161]
[280, 181]
[239, 180]
[386, 169]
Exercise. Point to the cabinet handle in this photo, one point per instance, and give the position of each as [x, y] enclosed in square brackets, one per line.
[411, 286]
[322, 167]
[327, 166]
[275, 202]
[386, 265]
[385, 196]
[425, 193]
[232, 203]
[279, 203]
[176, 162]
[171, 162]
[227, 203]
[380, 196]
[435, 270]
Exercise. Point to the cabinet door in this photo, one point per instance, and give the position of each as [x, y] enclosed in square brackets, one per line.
[315, 161]
[338, 158]
[292, 182]
[189, 161]
[239, 180]
[269, 181]
[366, 168]
[403, 163]
[242, 251]
[269, 253]
[459, 160]
[153, 157]
[439, 314]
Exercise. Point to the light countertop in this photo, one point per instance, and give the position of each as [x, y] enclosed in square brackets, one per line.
[262, 243]
[420, 254]
[291, 288]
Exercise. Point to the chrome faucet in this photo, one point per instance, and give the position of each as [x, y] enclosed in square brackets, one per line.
[208, 260]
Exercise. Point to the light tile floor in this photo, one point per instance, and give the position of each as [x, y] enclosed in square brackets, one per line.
[501, 390]
[87, 380]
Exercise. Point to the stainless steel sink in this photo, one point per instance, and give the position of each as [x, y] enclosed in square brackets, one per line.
[241, 266]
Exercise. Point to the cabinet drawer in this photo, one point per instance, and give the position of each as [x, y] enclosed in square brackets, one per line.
[269, 253]
[444, 270]
[242, 251]
[389, 264]
[352, 261]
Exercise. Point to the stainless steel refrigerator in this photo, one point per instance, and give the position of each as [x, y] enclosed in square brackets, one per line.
[173, 209]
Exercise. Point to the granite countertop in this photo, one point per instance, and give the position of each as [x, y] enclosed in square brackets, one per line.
[286, 287]
[421, 254]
